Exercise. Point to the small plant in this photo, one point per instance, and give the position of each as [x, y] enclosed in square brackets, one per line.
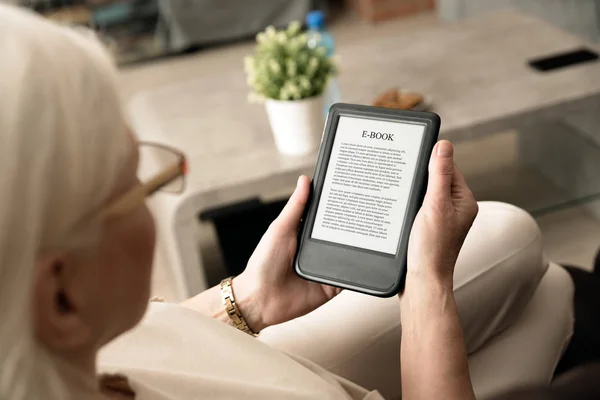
[284, 67]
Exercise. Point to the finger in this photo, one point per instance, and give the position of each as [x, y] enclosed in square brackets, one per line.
[290, 216]
[441, 171]
[460, 188]
[462, 196]
[458, 179]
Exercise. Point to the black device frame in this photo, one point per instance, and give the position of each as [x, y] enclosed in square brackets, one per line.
[362, 270]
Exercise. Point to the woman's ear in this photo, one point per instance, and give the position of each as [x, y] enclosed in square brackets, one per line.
[57, 320]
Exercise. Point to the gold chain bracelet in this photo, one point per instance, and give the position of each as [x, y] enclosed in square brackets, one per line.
[231, 307]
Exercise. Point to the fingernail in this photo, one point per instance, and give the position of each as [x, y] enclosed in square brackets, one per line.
[298, 183]
[445, 149]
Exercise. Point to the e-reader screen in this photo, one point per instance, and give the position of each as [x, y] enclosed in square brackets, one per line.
[368, 183]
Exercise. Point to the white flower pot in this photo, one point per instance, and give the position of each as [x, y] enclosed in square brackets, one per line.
[297, 125]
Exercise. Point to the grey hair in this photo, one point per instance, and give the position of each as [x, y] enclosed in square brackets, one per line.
[63, 142]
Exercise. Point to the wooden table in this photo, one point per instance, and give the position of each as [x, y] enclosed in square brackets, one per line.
[475, 73]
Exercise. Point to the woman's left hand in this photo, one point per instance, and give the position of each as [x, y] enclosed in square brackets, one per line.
[269, 290]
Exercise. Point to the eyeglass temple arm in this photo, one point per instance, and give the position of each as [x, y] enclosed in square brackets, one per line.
[140, 192]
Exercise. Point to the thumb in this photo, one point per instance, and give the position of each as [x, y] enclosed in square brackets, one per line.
[441, 170]
[289, 218]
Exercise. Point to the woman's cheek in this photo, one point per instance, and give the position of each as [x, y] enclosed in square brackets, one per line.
[137, 244]
[145, 241]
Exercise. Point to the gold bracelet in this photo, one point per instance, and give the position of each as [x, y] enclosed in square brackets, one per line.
[231, 307]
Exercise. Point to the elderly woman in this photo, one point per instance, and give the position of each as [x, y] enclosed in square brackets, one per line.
[77, 242]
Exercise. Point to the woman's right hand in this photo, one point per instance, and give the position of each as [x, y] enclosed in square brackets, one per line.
[440, 228]
[433, 353]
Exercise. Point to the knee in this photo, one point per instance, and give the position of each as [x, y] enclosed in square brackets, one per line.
[499, 269]
[511, 227]
[505, 244]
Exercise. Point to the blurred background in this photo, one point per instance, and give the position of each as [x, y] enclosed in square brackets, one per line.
[140, 29]
[525, 131]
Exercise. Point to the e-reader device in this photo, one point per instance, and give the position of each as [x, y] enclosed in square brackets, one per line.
[368, 185]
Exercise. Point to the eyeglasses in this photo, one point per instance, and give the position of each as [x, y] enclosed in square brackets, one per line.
[160, 168]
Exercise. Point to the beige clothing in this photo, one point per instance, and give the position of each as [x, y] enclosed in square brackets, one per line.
[179, 354]
[515, 310]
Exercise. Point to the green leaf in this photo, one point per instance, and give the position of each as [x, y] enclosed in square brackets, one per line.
[285, 67]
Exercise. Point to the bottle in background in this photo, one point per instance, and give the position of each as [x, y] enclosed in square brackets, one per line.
[318, 36]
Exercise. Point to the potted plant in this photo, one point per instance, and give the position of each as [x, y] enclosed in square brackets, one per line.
[290, 77]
